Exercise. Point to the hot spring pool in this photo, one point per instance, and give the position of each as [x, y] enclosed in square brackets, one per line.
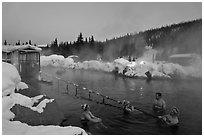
[184, 94]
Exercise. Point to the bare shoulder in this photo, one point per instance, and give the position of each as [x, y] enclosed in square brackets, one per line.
[162, 100]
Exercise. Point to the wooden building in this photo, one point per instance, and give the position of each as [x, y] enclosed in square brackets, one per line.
[26, 58]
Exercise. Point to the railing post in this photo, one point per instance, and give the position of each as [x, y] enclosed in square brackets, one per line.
[58, 85]
[67, 87]
[76, 90]
[103, 100]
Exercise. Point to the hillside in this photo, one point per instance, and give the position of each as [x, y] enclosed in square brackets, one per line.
[185, 37]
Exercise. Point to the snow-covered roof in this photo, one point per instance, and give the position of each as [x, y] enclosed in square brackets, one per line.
[73, 56]
[9, 48]
[182, 56]
[42, 46]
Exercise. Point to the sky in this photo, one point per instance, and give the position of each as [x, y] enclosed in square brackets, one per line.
[43, 22]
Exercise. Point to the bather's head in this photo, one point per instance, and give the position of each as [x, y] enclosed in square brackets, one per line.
[85, 107]
[158, 95]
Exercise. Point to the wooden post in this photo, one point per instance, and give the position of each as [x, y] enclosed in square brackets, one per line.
[103, 100]
[19, 60]
[76, 90]
[67, 88]
[58, 85]
[39, 60]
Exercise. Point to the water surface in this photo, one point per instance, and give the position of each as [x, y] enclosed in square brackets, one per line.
[184, 94]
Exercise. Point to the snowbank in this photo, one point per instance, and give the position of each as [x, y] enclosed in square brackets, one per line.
[137, 68]
[11, 81]
[60, 61]
[18, 128]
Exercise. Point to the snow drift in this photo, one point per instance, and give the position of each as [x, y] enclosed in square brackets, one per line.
[136, 68]
[12, 81]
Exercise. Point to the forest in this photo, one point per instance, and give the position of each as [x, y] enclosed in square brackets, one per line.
[184, 37]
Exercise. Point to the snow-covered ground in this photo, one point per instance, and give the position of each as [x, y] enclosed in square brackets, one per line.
[11, 81]
[137, 68]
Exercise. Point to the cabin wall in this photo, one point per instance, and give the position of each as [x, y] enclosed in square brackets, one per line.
[15, 59]
[11, 57]
[29, 64]
[26, 61]
[4, 56]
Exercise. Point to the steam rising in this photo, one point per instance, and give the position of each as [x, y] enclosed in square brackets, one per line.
[152, 50]
[137, 68]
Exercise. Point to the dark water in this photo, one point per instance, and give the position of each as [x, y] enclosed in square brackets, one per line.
[184, 94]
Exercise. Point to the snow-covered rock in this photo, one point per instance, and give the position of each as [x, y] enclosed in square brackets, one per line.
[136, 68]
[68, 62]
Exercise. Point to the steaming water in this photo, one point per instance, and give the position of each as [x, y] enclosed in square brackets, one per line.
[184, 94]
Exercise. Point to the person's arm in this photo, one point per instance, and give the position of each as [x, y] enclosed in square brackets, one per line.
[173, 121]
[164, 105]
[163, 117]
[127, 109]
[154, 103]
[92, 118]
[168, 121]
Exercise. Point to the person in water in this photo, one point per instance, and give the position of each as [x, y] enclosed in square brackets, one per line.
[87, 116]
[159, 104]
[171, 119]
[127, 107]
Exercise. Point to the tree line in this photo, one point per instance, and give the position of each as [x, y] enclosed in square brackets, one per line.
[183, 37]
[20, 43]
[67, 48]
[175, 38]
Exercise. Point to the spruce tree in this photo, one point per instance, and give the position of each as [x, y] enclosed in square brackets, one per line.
[30, 43]
[5, 42]
[80, 39]
[19, 42]
[56, 42]
[92, 39]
